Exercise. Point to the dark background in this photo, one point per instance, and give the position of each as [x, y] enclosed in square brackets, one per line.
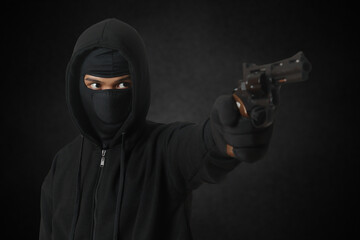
[303, 189]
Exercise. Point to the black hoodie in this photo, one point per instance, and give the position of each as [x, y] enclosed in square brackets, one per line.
[143, 190]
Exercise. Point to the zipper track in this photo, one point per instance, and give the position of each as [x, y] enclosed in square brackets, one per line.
[102, 163]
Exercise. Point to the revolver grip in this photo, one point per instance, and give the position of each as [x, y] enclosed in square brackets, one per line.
[240, 104]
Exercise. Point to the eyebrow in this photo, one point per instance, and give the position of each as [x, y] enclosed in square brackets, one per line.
[98, 81]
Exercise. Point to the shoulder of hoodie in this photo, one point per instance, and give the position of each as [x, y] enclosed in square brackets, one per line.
[68, 147]
[65, 151]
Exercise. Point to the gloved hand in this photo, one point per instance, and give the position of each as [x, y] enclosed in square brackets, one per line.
[228, 127]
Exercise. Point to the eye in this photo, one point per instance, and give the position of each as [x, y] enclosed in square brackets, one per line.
[124, 85]
[95, 86]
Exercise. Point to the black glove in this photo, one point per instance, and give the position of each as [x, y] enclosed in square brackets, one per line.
[228, 127]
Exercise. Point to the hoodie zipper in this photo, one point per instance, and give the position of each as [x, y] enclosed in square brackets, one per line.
[102, 163]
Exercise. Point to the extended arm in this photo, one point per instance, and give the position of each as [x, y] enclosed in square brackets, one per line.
[239, 128]
[196, 153]
[192, 157]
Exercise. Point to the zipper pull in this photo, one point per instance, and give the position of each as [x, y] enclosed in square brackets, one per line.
[102, 161]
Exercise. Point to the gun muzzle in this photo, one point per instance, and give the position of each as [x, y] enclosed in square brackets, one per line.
[291, 70]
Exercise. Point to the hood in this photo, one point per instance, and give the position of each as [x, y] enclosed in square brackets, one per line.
[115, 34]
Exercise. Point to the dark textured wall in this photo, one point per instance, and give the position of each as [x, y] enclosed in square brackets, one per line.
[301, 190]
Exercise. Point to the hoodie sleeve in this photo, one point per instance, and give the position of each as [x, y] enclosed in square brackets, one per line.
[192, 157]
[46, 204]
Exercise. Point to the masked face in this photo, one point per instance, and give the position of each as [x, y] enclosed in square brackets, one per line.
[107, 107]
[110, 106]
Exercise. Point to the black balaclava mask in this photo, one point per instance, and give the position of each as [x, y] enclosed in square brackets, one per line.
[106, 109]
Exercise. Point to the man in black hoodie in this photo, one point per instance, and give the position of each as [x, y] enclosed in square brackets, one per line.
[125, 177]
